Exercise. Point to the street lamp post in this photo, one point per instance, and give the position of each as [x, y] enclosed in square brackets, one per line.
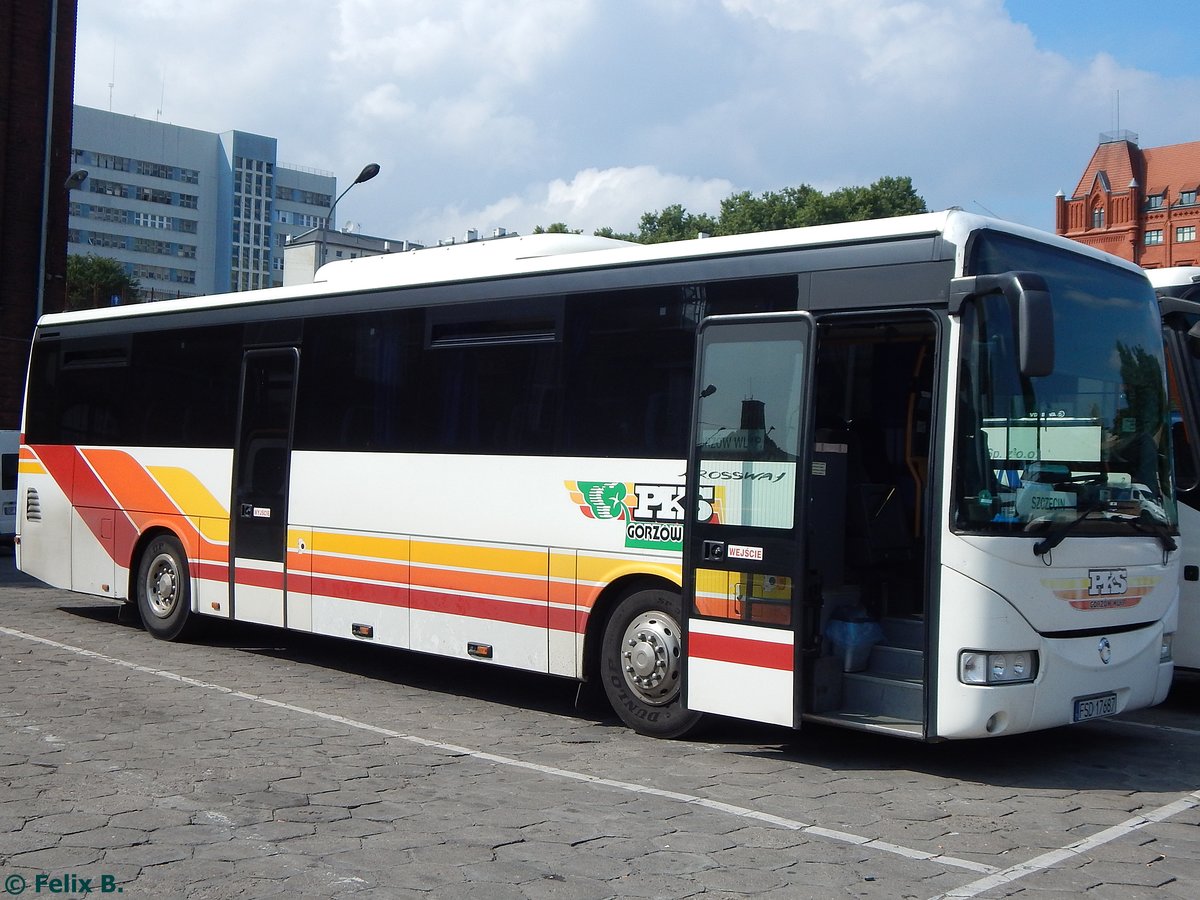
[370, 170]
[74, 182]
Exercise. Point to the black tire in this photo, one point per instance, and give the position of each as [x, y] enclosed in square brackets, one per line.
[164, 589]
[640, 660]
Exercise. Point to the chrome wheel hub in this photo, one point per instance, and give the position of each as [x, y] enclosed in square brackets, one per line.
[650, 652]
[162, 586]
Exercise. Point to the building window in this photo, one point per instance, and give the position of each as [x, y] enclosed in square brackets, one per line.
[1154, 237]
[1185, 233]
[1098, 217]
[1155, 201]
[1187, 198]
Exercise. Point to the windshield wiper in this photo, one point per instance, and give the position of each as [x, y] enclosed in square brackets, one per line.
[1056, 533]
[1147, 524]
[1144, 523]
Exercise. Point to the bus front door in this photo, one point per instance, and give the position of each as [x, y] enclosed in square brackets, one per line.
[258, 514]
[744, 592]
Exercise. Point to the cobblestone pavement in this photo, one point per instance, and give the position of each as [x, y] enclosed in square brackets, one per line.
[256, 763]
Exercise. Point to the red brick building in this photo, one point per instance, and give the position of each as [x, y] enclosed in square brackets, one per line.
[37, 72]
[1138, 204]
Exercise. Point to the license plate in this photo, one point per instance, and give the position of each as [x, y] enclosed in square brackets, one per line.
[1095, 707]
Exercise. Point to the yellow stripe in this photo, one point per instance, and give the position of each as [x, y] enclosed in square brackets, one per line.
[194, 499]
[604, 570]
[31, 467]
[511, 560]
[368, 546]
[188, 492]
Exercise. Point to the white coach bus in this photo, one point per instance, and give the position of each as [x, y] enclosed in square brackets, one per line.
[925, 460]
[1178, 288]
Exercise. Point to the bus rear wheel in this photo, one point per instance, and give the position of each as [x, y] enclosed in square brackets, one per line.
[640, 663]
[164, 591]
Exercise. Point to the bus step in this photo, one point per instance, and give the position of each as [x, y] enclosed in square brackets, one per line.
[897, 662]
[877, 695]
[907, 633]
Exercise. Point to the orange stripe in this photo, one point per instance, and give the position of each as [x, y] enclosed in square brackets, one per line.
[129, 482]
[369, 569]
[495, 583]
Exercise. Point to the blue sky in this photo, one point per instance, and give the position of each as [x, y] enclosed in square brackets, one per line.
[1157, 36]
[515, 113]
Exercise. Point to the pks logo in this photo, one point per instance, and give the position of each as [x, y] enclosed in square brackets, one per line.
[1105, 582]
[1102, 589]
[654, 513]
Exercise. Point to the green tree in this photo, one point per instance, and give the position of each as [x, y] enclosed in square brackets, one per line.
[674, 223]
[94, 280]
[557, 228]
[889, 196]
[791, 207]
[608, 232]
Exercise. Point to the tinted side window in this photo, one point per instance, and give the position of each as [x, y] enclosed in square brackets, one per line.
[358, 388]
[187, 387]
[460, 379]
[174, 388]
[629, 372]
[491, 380]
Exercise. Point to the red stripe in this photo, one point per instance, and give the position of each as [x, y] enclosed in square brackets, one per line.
[258, 578]
[385, 594]
[562, 619]
[741, 651]
[76, 479]
[210, 571]
[480, 608]
[536, 615]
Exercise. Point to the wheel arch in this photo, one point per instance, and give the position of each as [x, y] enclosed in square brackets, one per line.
[602, 609]
[139, 548]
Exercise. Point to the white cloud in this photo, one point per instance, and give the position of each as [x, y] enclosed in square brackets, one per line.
[478, 109]
[592, 199]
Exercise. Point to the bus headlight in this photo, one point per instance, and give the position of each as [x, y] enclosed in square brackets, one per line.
[1164, 653]
[1011, 667]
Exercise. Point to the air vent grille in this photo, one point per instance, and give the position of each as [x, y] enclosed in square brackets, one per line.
[33, 506]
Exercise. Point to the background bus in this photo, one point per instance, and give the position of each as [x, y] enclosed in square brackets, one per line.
[1178, 288]
[924, 461]
[9, 445]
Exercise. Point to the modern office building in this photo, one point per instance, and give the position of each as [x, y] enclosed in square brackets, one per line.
[188, 212]
[1138, 204]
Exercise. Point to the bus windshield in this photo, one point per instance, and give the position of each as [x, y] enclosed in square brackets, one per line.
[1087, 444]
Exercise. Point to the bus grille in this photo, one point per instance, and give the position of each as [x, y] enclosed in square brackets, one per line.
[33, 506]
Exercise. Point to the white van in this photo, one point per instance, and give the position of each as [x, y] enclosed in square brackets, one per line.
[10, 443]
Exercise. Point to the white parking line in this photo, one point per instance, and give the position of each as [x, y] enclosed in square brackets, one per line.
[552, 771]
[1054, 857]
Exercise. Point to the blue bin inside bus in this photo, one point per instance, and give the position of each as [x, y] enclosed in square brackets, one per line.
[852, 633]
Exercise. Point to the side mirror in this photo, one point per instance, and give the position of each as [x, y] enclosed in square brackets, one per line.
[1032, 314]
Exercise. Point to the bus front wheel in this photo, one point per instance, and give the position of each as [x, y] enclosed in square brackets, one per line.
[164, 596]
[640, 663]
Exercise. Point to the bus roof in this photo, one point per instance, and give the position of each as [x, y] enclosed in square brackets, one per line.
[1174, 276]
[545, 253]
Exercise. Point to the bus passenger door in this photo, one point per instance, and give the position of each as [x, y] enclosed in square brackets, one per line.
[744, 593]
[258, 514]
